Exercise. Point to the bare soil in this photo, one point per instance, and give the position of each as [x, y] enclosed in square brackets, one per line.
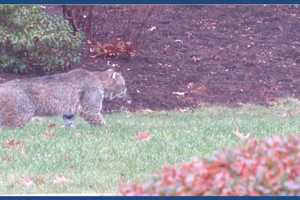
[188, 56]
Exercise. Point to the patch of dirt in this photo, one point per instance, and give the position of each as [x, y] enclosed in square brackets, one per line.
[190, 55]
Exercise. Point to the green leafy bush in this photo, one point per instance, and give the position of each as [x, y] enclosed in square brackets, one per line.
[30, 38]
[267, 167]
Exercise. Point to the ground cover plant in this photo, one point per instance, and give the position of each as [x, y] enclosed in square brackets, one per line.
[259, 167]
[43, 157]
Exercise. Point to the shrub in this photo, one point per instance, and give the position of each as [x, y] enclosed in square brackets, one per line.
[30, 38]
[267, 167]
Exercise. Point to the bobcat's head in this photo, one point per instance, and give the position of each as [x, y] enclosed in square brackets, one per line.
[114, 85]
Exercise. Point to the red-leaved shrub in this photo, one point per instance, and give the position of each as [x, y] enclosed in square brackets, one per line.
[266, 167]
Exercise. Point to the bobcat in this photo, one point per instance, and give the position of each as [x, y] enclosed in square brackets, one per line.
[78, 92]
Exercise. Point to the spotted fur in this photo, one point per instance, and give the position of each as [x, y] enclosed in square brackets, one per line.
[78, 92]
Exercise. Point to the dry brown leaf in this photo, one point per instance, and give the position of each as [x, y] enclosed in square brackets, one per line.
[197, 89]
[39, 180]
[12, 143]
[49, 135]
[51, 125]
[6, 158]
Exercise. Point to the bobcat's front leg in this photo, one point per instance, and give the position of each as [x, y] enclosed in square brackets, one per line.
[91, 102]
[69, 120]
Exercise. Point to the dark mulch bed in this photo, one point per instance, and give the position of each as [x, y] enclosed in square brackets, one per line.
[189, 55]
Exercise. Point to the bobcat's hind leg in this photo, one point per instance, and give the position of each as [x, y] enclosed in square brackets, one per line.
[16, 114]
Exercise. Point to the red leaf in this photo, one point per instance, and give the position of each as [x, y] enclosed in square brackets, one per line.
[143, 136]
[27, 181]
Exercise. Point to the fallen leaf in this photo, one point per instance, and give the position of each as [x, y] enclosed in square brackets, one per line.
[49, 135]
[36, 119]
[12, 143]
[144, 111]
[196, 59]
[179, 93]
[27, 181]
[6, 158]
[77, 135]
[152, 28]
[240, 135]
[39, 180]
[61, 180]
[180, 41]
[51, 125]
[183, 109]
[197, 89]
[143, 136]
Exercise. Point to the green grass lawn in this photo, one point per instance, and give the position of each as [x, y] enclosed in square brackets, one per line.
[36, 159]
